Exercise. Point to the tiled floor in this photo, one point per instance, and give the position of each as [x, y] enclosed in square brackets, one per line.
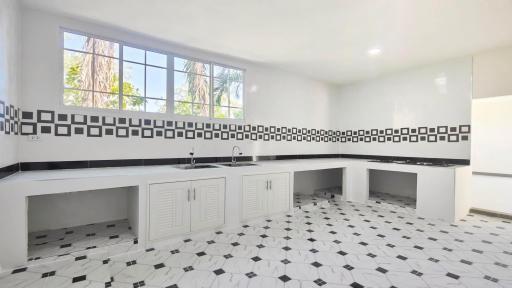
[343, 245]
[43, 244]
[393, 202]
[320, 198]
[309, 202]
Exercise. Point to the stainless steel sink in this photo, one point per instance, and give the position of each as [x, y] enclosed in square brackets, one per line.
[196, 166]
[238, 164]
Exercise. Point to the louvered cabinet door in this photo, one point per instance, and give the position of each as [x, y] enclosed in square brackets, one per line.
[207, 203]
[254, 196]
[169, 209]
[279, 193]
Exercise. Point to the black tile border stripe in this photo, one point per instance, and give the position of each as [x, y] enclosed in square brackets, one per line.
[9, 170]
[405, 158]
[57, 165]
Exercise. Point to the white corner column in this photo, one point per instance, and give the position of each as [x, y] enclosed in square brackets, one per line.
[444, 193]
[13, 220]
[356, 183]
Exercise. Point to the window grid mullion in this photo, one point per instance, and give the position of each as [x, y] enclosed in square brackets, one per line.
[170, 84]
[144, 96]
[228, 92]
[211, 93]
[121, 77]
[93, 73]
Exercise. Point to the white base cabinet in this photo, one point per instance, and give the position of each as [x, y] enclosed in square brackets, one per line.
[265, 194]
[187, 206]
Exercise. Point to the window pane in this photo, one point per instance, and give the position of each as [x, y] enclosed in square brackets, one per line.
[221, 112]
[133, 79]
[153, 105]
[236, 94]
[77, 70]
[156, 82]
[181, 87]
[133, 54]
[182, 108]
[106, 74]
[220, 92]
[107, 48]
[218, 71]
[77, 98]
[191, 66]
[133, 103]
[230, 74]
[191, 88]
[78, 42]
[236, 113]
[201, 110]
[156, 59]
[106, 100]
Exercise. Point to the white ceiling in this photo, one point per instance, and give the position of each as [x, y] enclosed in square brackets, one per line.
[323, 39]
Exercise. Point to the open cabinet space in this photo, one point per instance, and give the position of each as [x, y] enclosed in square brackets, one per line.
[61, 224]
[316, 188]
[393, 188]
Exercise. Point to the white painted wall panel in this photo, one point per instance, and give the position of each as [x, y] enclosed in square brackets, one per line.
[10, 28]
[492, 140]
[431, 96]
[492, 73]
[79, 208]
[492, 193]
[306, 182]
[394, 183]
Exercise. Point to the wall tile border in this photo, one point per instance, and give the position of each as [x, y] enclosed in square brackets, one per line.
[83, 125]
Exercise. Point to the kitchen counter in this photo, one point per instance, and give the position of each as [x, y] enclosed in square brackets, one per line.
[148, 171]
[441, 191]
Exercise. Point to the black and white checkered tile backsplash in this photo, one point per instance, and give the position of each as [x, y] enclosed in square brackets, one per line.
[9, 119]
[47, 122]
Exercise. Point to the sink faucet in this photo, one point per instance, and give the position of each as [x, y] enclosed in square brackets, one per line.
[233, 157]
[192, 161]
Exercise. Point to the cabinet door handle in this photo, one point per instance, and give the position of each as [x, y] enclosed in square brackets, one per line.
[270, 184]
[188, 195]
[194, 194]
[266, 185]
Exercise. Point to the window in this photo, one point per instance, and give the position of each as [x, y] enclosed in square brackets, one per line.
[111, 75]
[228, 92]
[191, 87]
[91, 72]
[144, 80]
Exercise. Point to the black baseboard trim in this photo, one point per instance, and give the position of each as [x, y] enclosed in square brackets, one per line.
[56, 165]
[491, 174]
[9, 170]
[490, 213]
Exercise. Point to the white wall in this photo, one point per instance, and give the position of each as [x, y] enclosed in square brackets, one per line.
[394, 183]
[491, 124]
[492, 140]
[270, 95]
[492, 73]
[9, 69]
[57, 211]
[431, 96]
[492, 193]
[306, 182]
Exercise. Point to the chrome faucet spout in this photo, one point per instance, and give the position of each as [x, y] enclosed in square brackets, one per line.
[192, 160]
[233, 157]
